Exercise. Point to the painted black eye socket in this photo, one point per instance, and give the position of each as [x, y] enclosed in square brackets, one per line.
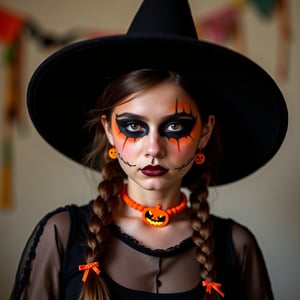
[132, 128]
[174, 128]
[177, 129]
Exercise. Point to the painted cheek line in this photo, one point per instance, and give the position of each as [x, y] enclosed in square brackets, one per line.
[185, 164]
[129, 140]
[122, 136]
[119, 133]
[177, 142]
[125, 141]
[125, 162]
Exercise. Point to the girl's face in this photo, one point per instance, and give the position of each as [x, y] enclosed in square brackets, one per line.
[156, 134]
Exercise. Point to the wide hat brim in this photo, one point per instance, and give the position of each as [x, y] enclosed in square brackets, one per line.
[251, 109]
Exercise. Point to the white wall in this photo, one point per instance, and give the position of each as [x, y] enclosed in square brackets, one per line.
[267, 202]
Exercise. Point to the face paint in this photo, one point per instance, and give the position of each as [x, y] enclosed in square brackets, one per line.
[160, 127]
[185, 164]
[131, 126]
[126, 162]
[177, 126]
[128, 128]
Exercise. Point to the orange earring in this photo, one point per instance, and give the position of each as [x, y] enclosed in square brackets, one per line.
[199, 158]
[112, 153]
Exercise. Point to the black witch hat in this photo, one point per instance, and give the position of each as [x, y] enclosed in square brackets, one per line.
[252, 110]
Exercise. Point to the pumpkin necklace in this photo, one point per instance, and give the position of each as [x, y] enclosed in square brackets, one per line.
[154, 216]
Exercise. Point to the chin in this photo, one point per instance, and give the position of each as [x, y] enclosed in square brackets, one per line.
[157, 184]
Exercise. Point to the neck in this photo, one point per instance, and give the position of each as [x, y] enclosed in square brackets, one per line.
[167, 198]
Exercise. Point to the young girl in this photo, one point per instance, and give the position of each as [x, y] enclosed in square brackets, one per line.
[155, 110]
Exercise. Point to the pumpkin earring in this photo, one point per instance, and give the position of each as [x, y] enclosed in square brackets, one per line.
[199, 158]
[112, 152]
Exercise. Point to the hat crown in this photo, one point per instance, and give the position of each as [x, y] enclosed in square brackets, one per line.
[170, 17]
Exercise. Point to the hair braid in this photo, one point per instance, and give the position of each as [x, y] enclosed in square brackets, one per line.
[203, 228]
[109, 189]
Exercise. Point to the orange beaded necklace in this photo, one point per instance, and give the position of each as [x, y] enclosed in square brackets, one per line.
[154, 216]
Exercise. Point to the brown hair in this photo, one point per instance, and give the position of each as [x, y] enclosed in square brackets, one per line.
[110, 187]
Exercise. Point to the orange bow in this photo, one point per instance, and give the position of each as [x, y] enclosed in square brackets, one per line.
[216, 286]
[86, 268]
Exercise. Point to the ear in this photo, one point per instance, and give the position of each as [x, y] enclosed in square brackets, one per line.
[206, 132]
[107, 128]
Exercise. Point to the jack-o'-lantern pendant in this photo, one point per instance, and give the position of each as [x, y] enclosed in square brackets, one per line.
[155, 216]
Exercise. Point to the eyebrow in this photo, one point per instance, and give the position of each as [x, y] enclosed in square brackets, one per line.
[129, 116]
[176, 115]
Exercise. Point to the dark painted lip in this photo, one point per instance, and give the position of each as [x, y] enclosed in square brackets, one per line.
[156, 170]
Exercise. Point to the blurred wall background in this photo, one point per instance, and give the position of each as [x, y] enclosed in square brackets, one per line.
[267, 201]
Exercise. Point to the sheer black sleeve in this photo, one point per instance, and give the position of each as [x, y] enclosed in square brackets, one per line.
[252, 272]
[39, 271]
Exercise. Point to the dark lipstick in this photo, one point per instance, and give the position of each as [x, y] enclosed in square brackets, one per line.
[156, 170]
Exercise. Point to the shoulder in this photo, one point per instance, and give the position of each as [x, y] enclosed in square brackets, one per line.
[243, 243]
[52, 229]
[58, 219]
[62, 217]
[236, 237]
[242, 237]
[58, 226]
[237, 231]
[59, 223]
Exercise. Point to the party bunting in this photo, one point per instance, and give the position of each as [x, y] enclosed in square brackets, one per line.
[284, 39]
[222, 26]
[12, 113]
[265, 7]
[10, 25]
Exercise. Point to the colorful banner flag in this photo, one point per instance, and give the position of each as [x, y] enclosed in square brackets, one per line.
[10, 25]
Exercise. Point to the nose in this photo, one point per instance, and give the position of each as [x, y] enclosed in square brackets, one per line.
[154, 145]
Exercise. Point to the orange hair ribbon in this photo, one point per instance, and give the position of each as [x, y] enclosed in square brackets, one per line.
[213, 285]
[86, 268]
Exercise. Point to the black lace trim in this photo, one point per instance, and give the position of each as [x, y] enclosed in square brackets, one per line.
[135, 244]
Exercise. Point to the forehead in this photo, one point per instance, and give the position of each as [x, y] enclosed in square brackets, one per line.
[164, 99]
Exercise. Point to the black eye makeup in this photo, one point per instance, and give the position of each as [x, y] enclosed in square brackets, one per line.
[132, 128]
[177, 128]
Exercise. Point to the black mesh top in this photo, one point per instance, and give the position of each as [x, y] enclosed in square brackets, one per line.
[48, 268]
